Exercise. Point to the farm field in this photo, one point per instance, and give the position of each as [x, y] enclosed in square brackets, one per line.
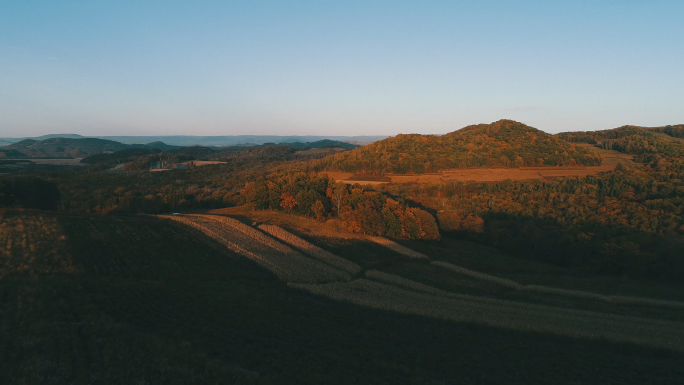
[167, 300]
[368, 290]
[610, 160]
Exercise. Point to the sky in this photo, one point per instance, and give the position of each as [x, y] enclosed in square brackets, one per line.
[336, 68]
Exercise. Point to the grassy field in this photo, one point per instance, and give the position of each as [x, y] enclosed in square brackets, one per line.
[140, 300]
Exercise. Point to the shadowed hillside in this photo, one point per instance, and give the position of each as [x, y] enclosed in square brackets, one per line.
[132, 300]
[505, 143]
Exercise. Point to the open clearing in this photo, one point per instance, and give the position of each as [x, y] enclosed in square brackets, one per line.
[610, 160]
[141, 299]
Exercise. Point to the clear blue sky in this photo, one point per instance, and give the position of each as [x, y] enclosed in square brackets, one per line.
[336, 68]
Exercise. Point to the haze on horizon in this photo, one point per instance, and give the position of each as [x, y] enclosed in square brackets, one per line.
[351, 68]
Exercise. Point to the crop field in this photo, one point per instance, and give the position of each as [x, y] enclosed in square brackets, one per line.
[311, 249]
[208, 299]
[609, 160]
[388, 292]
[288, 264]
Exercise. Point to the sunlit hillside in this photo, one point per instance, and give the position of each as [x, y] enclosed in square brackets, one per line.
[504, 143]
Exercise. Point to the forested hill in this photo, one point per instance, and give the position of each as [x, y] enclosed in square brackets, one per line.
[504, 143]
[71, 148]
[663, 141]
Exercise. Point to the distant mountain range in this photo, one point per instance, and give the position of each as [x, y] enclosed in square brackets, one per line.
[212, 141]
[58, 147]
[102, 150]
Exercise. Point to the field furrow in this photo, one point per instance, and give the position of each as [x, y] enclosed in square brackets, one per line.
[397, 248]
[555, 291]
[508, 283]
[287, 264]
[312, 250]
[506, 314]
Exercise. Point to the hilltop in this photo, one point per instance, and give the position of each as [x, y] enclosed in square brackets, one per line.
[504, 143]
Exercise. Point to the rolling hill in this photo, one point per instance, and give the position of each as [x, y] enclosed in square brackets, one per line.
[635, 140]
[504, 143]
[59, 147]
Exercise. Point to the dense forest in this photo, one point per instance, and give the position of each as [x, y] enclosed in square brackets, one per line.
[628, 221]
[505, 143]
[643, 141]
[368, 212]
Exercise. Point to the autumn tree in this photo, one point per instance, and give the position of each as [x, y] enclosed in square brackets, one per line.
[338, 194]
[318, 209]
[288, 202]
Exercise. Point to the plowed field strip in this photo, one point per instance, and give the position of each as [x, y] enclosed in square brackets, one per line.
[404, 283]
[397, 248]
[530, 288]
[287, 264]
[312, 250]
[507, 314]
[248, 231]
[555, 291]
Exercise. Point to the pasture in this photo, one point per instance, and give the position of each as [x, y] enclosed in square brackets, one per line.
[169, 300]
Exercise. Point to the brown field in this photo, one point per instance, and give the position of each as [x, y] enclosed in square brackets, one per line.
[288, 264]
[610, 160]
